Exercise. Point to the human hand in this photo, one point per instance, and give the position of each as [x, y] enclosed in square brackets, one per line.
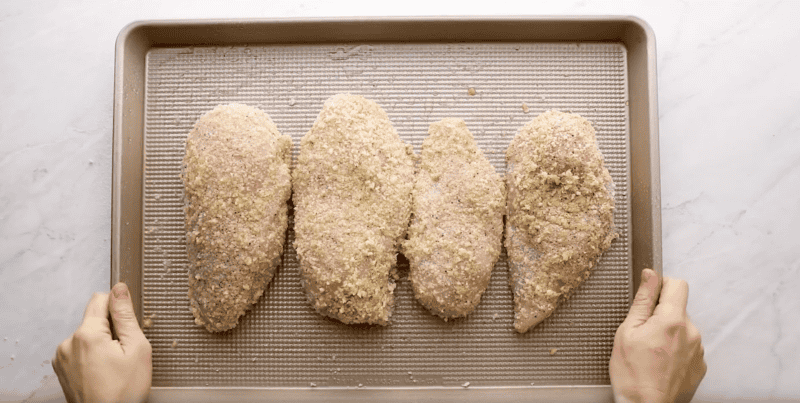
[92, 367]
[657, 354]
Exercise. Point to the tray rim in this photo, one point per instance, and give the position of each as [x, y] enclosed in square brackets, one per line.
[137, 38]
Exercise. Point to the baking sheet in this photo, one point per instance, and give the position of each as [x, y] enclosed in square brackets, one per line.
[282, 342]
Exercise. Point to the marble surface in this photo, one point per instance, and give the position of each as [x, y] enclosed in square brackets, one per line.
[730, 169]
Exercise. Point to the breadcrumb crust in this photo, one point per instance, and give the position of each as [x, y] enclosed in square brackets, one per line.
[352, 184]
[236, 185]
[456, 232]
[560, 212]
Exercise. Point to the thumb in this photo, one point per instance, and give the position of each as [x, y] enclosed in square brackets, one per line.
[123, 316]
[646, 298]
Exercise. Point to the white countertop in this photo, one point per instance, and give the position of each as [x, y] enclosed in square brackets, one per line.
[730, 169]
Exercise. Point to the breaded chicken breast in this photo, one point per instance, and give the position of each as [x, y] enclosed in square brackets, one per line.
[560, 212]
[457, 226]
[352, 198]
[236, 184]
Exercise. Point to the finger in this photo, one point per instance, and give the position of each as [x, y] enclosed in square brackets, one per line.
[693, 334]
[673, 299]
[64, 350]
[60, 359]
[97, 306]
[95, 317]
[65, 386]
[645, 300]
[124, 317]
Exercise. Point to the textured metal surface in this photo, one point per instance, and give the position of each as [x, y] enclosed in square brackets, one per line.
[282, 342]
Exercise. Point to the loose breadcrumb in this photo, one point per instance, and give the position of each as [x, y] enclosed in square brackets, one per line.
[236, 183]
[525, 108]
[471, 91]
[456, 233]
[352, 199]
[560, 212]
[553, 351]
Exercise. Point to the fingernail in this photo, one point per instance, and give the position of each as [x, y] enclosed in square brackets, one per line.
[120, 290]
[646, 275]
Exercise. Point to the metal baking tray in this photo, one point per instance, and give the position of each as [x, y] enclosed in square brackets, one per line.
[420, 70]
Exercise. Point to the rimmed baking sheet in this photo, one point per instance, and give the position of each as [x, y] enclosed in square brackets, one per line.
[282, 346]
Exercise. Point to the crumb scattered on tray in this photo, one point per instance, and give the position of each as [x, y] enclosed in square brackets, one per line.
[553, 351]
[525, 108]
[471, 91]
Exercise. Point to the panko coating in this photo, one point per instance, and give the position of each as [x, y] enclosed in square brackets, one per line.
[236, 187]
[456, 231]
[560, 210]
[352, 197]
